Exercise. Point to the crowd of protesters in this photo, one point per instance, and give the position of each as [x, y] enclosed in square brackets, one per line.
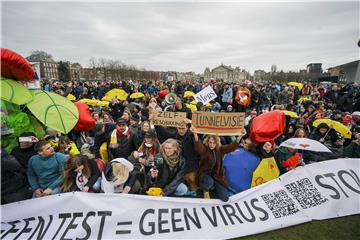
[125, 153]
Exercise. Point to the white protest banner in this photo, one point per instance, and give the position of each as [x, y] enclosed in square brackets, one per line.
[297, 197]
[223, 124]
[329, 189]
[169, 119]
[205, 95]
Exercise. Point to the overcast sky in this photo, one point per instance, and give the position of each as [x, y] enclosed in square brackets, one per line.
[185, 36]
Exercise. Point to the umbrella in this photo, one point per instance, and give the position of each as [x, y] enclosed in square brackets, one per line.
[71, 97]
[94, 102]
[137, 95]
[303, 99]
[296, 84]
[337, 126]
[14, 92]
[53, 110]
[188, 94]
[305, 144]
[291, 114]
[116, 93]
[239, 167]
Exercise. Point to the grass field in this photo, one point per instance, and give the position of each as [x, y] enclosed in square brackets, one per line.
[337, 228]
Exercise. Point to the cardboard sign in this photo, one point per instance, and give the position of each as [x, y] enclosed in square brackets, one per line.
[222, 124]
[205, 95]
[169, 119]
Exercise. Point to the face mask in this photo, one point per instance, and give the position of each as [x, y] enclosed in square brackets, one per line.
[148, 145]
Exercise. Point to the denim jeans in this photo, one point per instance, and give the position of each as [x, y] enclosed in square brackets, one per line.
[181, 190]
[97, 186]
[221, 192]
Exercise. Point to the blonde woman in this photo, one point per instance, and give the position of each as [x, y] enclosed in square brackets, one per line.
[168, 170]
[118, 177]
[211, 171]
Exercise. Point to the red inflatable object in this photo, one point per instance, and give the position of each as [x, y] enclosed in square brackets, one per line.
[86, 122]
[14, 66]
[268, 126]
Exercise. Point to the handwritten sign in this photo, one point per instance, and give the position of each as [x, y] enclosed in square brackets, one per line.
[169, 119]
[222, 124]
[205, 95]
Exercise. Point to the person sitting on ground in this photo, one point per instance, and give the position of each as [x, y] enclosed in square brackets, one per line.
[168, 170]
[143, 157]
[122, 141]
[81, 174]
[118, 177]
[45, 170]
[211, 170]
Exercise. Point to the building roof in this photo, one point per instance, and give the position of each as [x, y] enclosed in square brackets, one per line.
[39, 58]
[223, 66]
[349, 64]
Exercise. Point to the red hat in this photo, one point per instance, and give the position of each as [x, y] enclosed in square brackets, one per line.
[163, 93]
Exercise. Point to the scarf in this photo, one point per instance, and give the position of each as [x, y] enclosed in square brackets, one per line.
[172, 161]
[115, 133]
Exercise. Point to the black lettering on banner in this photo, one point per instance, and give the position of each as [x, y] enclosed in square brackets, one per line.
[151, 224]
[305, 193]
[103, 215]
[212, 220]
[266, 215]
[162, 222]
[86, 226]
[64, 216]
[230, 213]
[13, 228]
[332, 176]
[174, 220]
[40, 226]
[195, 220]
[334, 196]
[25, 229]
[341, 173]
[280, 204]
[357, 180]
[124, 231]
[252, 219]
[71, 225]
[222, 215]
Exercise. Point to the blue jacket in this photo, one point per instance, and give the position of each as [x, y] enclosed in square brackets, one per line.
[46, 172]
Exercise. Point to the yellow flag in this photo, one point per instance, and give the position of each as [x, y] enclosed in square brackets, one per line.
[266, 171]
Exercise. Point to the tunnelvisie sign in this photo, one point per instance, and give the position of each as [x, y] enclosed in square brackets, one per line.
[222, 124]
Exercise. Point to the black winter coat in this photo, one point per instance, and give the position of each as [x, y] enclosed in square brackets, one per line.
[167, 179]
[187, 143]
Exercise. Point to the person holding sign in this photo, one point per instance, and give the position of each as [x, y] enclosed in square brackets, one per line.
[211, 170]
